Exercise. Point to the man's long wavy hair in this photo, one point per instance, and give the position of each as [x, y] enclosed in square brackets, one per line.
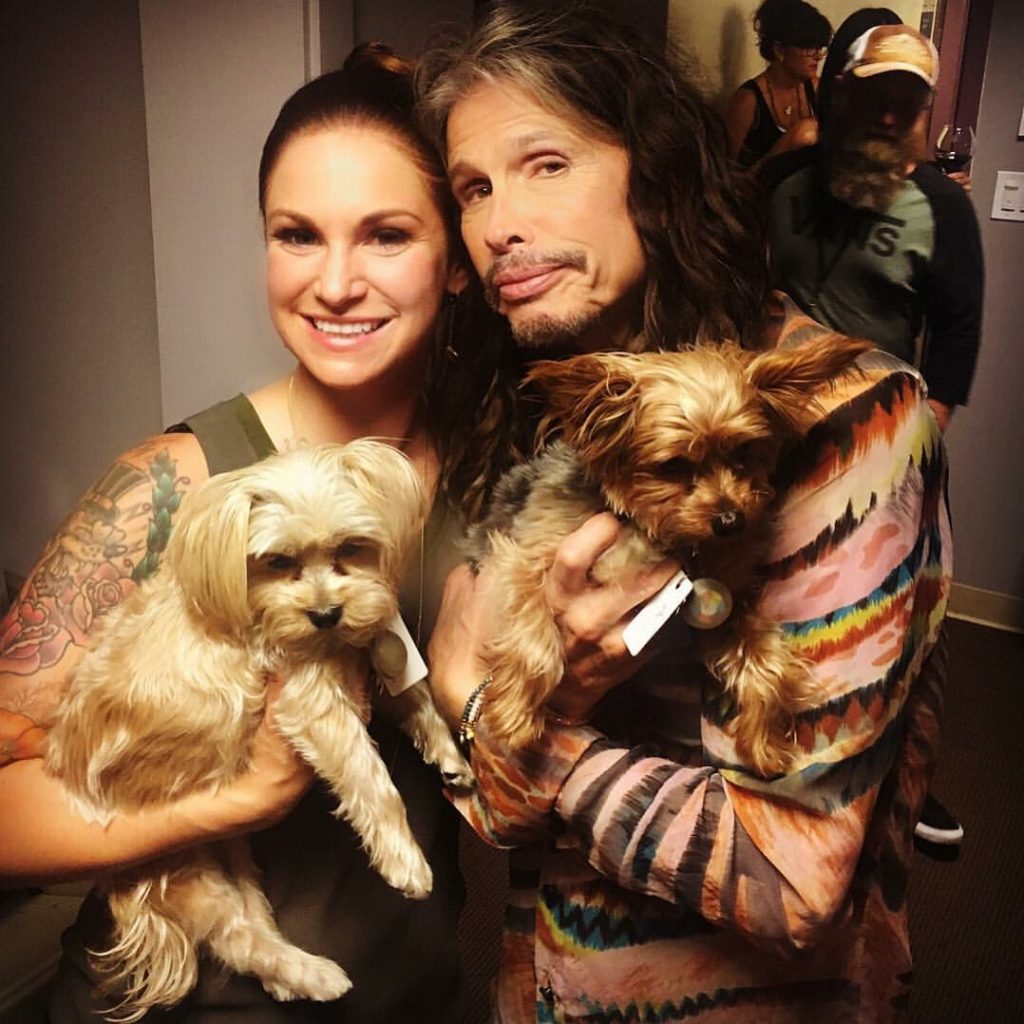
[700, 230]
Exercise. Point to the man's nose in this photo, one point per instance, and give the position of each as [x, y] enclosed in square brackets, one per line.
[508, 220]
[341, 276]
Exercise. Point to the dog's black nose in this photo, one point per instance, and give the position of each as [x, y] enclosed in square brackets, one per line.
[728, 522]
[325, 620]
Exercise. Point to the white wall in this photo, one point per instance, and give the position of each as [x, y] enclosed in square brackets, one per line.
[408, 27]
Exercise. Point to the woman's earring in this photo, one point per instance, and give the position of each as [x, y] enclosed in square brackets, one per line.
[450, 351]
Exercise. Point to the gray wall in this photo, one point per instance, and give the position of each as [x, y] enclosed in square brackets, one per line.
[215, 75]
[79, 371]
[986, 440]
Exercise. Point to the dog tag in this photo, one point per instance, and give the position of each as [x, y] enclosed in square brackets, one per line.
[388, 655]
[401, 665]
[709, 605]
[656, 613]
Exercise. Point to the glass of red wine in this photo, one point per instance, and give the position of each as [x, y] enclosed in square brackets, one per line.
[954, 148]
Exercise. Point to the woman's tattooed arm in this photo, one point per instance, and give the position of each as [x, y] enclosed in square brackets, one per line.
[111, 541]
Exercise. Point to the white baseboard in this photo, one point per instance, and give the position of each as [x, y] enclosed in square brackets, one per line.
[987, 608]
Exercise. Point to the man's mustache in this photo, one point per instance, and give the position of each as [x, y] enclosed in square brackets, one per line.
[523, 263]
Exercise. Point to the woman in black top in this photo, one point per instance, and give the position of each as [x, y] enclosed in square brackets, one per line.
[367, 286]
[777, 110]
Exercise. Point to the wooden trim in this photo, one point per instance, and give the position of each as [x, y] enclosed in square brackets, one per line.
[949, 37]
[972, 68]
[986, 607]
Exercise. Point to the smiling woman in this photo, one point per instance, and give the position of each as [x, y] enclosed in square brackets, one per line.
[364, 271]
[357, 268]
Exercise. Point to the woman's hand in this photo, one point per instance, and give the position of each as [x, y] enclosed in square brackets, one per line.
[268, 789]
[799, 134]
[46, 839]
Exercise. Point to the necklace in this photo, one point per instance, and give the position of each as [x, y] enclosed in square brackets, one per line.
[787, 110]
[291, 407]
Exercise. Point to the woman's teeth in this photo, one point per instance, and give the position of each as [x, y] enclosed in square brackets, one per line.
[347, 329]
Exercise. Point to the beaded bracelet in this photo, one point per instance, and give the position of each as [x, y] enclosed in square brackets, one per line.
[471, 712]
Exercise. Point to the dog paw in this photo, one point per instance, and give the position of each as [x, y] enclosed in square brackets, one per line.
[456, 772]
[441, 750]
[308, 977]
[411, 876]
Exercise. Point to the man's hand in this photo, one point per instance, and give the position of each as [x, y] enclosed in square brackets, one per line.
[591, 617]
[943, 413]
[464, 623]
[962, 178]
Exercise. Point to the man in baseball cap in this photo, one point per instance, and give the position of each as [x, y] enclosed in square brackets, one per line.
[886, 48]
[877, 130]
[867, 236]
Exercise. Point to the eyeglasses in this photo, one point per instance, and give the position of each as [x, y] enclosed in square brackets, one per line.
[811, 51]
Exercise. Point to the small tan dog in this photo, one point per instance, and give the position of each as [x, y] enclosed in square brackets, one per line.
[289, 566]
[682, 445]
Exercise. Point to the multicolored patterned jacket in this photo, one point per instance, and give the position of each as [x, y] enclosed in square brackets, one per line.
[654, 876]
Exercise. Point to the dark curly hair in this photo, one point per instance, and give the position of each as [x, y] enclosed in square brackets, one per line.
[790, 23]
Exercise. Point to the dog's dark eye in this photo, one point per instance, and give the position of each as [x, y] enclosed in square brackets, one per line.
[680, 469]
[746, 456]
[349, 549]
[282, 563]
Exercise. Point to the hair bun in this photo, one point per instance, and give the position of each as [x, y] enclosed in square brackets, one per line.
[375, 56]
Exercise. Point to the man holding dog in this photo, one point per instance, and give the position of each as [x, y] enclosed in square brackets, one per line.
[655, 874]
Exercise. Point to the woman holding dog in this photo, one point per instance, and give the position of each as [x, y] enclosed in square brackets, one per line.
[364, 275]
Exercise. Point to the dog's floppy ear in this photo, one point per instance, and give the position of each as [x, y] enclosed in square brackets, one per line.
[789, 378]
[387, 478]
[592, 400]
[208, 548]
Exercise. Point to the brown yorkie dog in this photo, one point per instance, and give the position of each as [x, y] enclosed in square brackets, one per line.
[683, 446]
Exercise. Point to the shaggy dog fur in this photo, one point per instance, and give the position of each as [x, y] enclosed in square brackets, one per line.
[289, 566]
[682, 446]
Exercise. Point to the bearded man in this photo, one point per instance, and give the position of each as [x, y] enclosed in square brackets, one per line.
[871, 240]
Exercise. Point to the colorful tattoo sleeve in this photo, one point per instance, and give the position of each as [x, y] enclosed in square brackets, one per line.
[110, 542]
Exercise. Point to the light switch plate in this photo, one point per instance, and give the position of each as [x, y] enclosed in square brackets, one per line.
[1020, 128]
[1008, 201]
